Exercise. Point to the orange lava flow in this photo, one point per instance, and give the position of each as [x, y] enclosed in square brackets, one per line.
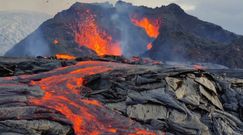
[91, 36]
[150, 26]
[88, 117]
[142, 132]
[65, 56]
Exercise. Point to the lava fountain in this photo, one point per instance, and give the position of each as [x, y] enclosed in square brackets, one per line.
[89, 34]
[150, 26]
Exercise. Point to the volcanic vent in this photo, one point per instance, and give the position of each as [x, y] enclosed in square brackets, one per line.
[90, 35]
[91, 29]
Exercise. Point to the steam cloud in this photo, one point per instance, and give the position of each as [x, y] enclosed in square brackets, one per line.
[39, 47]
[133, 40]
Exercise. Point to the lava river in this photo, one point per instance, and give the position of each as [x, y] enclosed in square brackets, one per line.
[62, 88]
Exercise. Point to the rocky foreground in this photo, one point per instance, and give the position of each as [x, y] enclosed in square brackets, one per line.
[113, 95]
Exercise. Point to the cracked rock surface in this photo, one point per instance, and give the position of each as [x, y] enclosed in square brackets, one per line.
[155, 98]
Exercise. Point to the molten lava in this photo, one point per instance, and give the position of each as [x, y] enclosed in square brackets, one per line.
[55, 42]
[90, 35]
[142, 132]
[62, 89]
[149, 46]
[65, 57]
[199, 67]
[150, 26]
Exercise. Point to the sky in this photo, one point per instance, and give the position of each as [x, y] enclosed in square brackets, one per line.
[226, 13]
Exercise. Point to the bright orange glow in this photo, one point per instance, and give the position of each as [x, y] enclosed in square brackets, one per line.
[55, 42]
[142, 132]
[60, 92]
[149, 46]
[199, 67]
[91, 36]
[150, 26]
[65, 56]
[88, 117]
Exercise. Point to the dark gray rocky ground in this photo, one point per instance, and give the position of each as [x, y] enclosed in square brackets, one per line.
[153, 97]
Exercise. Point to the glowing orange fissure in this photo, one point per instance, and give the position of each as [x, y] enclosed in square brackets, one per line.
[65, 56]
[91, 36]
[62, 93]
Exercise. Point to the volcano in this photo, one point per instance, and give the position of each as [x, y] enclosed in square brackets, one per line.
[166, 33]
[85, 30]
[99, 69]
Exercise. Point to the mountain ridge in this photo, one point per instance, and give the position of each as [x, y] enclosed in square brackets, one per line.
[16, 25]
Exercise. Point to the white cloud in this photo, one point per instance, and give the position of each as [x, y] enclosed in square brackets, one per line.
[188, 7]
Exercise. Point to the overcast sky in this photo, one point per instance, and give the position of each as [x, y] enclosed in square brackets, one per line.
[226, 13]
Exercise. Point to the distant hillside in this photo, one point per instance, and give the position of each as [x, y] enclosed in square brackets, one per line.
[15, 26]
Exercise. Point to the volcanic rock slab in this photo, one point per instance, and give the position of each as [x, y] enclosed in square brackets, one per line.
[100, 97]
[10, 66]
